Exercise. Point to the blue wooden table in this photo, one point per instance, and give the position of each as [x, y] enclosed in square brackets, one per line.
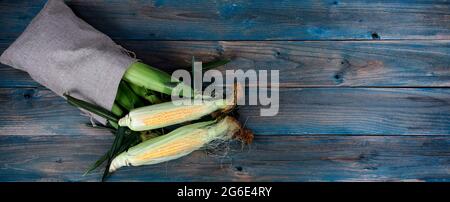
[364, 90]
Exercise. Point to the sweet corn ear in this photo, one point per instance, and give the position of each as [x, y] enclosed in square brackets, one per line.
[168, 113]
[177, 143]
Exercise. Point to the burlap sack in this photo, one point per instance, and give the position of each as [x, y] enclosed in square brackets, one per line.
[65, 54]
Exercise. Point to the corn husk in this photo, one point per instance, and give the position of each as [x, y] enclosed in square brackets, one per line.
[179, 142]
[151, 78]
[127, 98]
[145, 93]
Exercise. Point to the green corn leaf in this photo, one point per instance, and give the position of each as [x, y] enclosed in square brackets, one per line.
[116, 144]
[145, 93]
[127, 98]
[107, 127]
[116, 110]
[97, 163]
[92, 108]
[125, 138]
[129, 141]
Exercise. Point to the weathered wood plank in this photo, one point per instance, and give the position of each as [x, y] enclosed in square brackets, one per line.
[301, 64]
[358, 111]
[30, 111]
[12, 78]
[244, 20]
[269, 158]
[381, 111]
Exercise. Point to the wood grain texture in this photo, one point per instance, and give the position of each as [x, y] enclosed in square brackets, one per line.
[248, 20]
[357, 111]
[365, 89]
[301, 64]
[270, 158]
[32, 111]
[382, 111]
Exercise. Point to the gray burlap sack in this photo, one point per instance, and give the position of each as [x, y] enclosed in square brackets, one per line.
[65, 54]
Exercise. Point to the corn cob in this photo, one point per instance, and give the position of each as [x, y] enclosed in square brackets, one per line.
[152, 78]
[171, 113]
[180, 142]
[168, 113]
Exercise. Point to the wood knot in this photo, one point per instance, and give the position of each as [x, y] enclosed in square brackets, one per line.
[28, 94]
[375, 36]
